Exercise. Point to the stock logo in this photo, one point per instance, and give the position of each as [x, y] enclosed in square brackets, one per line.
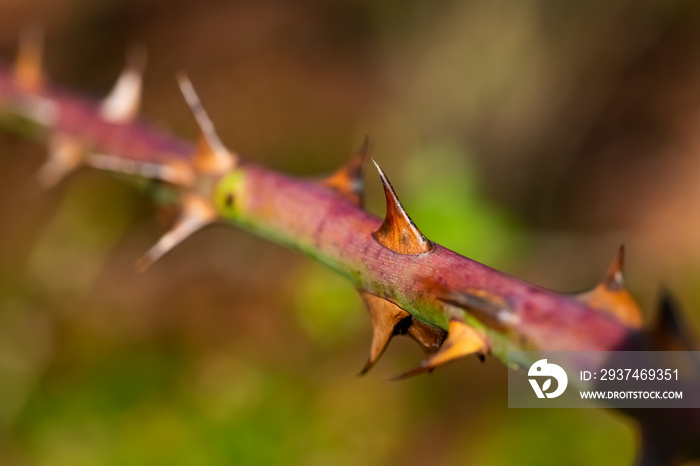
[541, 369]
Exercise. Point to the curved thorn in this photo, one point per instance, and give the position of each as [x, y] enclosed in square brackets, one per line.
[123, 102]
[212, 155]
[462, 340]
[386, 319]
[398, 232]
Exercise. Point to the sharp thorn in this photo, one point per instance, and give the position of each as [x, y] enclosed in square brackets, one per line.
[65, 154]
[387, 318]
[611, 295]
[429, 337]
[487, 307]
[614, 278]
[172, 173]
[365, 147]
[462, 340]
[196, 214]
[422, 368]
[28, 72]
[348, 180]
[398, 232]
[123, 102]
[212, 155]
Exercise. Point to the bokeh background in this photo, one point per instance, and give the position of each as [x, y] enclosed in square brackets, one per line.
[532, 135]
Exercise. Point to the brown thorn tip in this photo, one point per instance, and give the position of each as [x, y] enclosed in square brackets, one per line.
[214, 157]
[422, 368]
[365, 148]
[348, 180]
[462, 340]
[611, 295]
[28, 72]
[65, 154]
[398, 232]
[429, 337]
[123, 102]
[386, 319]
[196, 213]
[614, 277]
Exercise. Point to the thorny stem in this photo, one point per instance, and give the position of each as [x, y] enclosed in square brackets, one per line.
[304, 215]
[435, 287]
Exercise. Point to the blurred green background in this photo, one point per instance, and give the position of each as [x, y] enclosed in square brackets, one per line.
[534, 136]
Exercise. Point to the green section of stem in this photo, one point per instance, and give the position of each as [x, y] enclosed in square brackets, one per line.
[234, 186]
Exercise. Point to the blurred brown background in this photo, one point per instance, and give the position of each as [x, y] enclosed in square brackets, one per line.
[534, 136]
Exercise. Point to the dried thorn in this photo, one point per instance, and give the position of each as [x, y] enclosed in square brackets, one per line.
[614, 279]
[65, 154]
[462, 340]
[398, 232]
[386, 319]
[29, 77]
[123, 102]
[429, 337]
[28, 72]
[389, 320]
[212, 156]
[612, 297]
[488, 308]
[423, 368]
[348, 180]
[196, 214]
[178, 174]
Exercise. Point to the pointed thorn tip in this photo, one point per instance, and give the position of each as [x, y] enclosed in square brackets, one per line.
[398, 232]
[611, 296]
[196, 214]
[123, 102]
[348, 180]
[379, 169]
[143, 264]
[614, 277]
[365, 369]
[65, 155]
[28, 71]
[423, 368]
[212, 156]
